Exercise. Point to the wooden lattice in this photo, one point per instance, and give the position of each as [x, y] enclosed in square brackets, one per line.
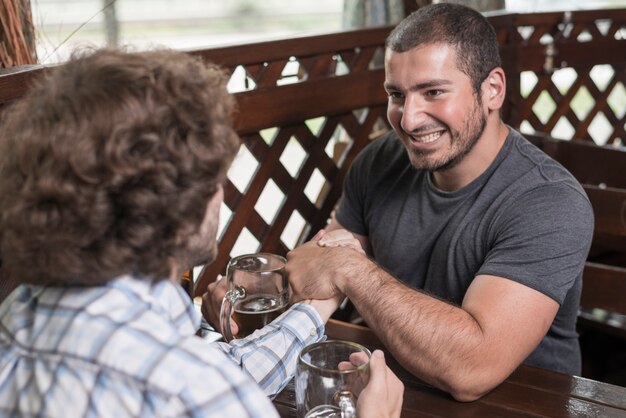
[567, 74]
[306, 107]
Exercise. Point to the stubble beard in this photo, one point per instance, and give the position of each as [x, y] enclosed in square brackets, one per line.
[463, 142]
[201, 248]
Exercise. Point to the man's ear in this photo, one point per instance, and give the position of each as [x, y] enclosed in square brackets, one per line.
[494, 89]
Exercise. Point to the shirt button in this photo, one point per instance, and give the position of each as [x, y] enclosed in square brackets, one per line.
[313, 332]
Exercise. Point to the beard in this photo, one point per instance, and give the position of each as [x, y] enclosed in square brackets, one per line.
[198, 254]
[201, 247]
[461, 142]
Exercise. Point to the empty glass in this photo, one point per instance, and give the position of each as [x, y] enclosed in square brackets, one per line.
[327, 385]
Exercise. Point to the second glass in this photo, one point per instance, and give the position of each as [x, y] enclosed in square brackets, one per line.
[325, 389]
[258, 293]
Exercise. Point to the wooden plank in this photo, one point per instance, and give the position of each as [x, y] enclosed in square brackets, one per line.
[259, 52]
[604, 287]
[591, 164]
[577, 16]
[529, 391]
[13, 84]
[547, 403]
[577, 387]
[609, 237]
[609, 207]
[572, 54]
[294, 103]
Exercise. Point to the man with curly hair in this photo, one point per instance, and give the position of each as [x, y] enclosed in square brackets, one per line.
[111, 174]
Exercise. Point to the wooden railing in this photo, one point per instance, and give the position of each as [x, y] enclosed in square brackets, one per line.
[566, 73]
[602, 318]
[308, 106]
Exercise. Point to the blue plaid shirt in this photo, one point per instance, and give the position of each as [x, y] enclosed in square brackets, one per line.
[128, 349]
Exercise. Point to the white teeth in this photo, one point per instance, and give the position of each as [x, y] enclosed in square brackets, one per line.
[428, 138]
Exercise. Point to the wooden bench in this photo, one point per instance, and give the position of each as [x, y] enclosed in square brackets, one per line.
[601, 171]
[322, 97]
[602, 318]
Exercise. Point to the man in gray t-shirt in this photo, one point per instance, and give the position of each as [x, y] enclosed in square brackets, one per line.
[478, 239]
[512, 222]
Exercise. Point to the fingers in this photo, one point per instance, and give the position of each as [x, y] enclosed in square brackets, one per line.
[345, 365]
[212, 301]
[378, 370]
[319, 235]
[383, 380]
[359, 358]
[340, 238]
[326, 307]
[335, 235]
[350, 243]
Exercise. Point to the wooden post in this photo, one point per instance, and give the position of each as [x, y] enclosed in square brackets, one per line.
[412, 5]
[111, 24]
[483, 5]
[17, 34]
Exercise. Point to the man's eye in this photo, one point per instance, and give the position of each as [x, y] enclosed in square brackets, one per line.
[394, 95]
[434, 93]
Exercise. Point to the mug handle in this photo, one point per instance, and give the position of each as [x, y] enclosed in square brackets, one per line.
[345, 402]
[226, 310]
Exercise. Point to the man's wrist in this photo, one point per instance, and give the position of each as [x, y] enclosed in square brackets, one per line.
[351, 274]
[325, 308]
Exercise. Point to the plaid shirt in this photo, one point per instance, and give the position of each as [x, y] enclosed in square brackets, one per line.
[128, 349]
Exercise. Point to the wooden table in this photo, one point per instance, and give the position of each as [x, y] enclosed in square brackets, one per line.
[528, 392]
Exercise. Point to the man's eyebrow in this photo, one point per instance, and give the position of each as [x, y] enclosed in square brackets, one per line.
[421, 86]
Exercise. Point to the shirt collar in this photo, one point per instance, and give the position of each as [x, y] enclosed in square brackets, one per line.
[164, 297]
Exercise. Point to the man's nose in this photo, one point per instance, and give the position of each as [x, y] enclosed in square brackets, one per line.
[413, 114]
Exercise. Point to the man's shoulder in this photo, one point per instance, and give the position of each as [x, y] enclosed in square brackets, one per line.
[99, 330]
[528, 165]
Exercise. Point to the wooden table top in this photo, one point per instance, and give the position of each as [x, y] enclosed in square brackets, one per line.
[528, 392]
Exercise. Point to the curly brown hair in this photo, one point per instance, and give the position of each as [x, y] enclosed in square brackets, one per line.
[107, 165]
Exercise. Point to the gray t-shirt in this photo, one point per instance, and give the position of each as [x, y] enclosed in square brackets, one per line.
[525, 219]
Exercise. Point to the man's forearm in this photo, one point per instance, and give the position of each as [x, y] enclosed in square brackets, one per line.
[438, 342]
[465, 351]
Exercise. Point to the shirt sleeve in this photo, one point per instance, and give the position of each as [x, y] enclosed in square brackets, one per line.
[542, 240]
[351, 206]
[269, 354]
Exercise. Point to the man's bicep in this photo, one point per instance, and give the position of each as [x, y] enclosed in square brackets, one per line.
[513, 318]
[542, 241]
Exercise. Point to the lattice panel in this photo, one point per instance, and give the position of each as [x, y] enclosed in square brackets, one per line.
[571, 74]
[568, 104]
[293, 181]
[294, 69]
[297, 69]
[300, 132]
[284, 174]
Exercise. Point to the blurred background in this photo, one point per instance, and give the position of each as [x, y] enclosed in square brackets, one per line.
[62, 25]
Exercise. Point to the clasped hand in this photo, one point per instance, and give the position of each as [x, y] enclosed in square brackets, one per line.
[303, 271]
[317, 269]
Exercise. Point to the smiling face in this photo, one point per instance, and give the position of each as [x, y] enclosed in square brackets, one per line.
[432, 106]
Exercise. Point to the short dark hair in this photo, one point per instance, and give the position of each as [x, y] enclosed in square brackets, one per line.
[468, 31]
[108, 164]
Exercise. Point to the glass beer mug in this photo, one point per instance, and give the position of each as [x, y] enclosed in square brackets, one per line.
[258, 293]
[324, 389]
